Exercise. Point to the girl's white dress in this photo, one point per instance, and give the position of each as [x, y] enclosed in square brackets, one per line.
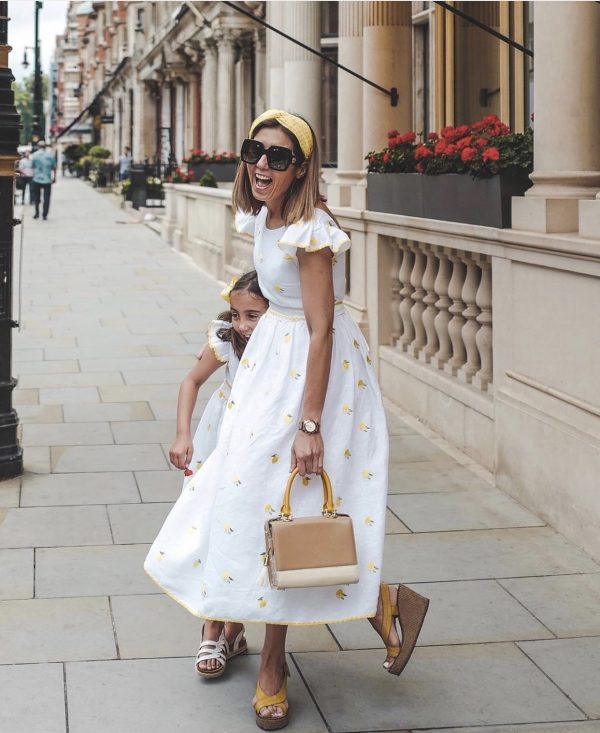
[208, 554]
[205, 437]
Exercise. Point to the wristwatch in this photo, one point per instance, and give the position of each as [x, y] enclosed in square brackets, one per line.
[311, 427]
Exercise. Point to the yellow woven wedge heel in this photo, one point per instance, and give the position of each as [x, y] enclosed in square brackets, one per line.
[279, 699]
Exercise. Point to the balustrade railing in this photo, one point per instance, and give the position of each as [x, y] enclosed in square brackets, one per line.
[441, 303]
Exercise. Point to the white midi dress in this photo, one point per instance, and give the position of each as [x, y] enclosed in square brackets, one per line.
[209, 426]
[208, 554]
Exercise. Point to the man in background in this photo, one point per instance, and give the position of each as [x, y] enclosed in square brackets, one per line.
[124, 164]
[44, 175]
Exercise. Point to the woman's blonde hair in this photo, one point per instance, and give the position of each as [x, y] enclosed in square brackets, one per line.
[303, 195]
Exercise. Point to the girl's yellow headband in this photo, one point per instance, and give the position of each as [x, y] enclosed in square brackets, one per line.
[226, 292]
[296, 125]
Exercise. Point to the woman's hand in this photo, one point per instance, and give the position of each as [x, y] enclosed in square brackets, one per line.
[181, 451]
[307, 453]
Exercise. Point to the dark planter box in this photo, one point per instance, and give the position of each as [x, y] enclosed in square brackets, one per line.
[449, 197]
[224, 172]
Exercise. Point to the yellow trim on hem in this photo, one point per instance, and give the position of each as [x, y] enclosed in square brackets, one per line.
[212, 347]
[335, 248]
[253, 620]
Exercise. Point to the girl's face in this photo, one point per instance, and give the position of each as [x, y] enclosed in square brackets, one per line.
[246, 309]
[271, 186]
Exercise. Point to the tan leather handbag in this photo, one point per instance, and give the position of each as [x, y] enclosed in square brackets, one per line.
[306, 552]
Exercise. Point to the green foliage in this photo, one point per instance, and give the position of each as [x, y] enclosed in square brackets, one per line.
[209, 180]
[74, 152]
[97, 151]
[24, 104]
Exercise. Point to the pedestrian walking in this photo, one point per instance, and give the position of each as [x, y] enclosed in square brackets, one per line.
[306, 390]
[124, 164]
[44, 175]
[25, 168]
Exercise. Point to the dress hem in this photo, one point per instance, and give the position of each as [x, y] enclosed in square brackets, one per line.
[255, 620]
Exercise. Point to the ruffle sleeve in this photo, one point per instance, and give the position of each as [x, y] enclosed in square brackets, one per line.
[314, 235]
[221, 349]
[245, 222]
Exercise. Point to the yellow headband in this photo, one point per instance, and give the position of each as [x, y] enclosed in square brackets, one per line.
[226, 292]
[296, 125]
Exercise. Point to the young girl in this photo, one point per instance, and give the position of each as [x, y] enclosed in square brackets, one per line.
[227, 339]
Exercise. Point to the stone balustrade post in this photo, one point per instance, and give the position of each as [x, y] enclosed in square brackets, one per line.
[417, 295]
[442, 305]
[396, 321]
[470, 313]
[456, 309]
[429, 301]
[484, 336]
[408, 330]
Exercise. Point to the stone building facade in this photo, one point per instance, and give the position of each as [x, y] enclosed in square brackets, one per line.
[488, 336]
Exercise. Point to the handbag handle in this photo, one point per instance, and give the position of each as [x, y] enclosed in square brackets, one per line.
[328, 507]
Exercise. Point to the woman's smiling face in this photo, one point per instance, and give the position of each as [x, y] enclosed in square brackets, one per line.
[271, 186]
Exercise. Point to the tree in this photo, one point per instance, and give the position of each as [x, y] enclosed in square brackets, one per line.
[24, 104]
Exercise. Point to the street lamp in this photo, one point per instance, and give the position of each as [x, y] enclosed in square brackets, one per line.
[38, 105]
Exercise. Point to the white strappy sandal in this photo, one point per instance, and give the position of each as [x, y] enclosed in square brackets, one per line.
[221, 651]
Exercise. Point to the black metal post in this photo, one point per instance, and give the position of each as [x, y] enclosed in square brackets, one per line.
[11, 454]
[38, 104]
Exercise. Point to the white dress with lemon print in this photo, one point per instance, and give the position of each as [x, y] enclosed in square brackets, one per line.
[205, 437]
[208, 554]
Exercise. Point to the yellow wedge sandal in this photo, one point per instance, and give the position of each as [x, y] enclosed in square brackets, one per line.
[410, 610]
[279, 699]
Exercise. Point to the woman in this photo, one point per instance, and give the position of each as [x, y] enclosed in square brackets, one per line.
[307, 388]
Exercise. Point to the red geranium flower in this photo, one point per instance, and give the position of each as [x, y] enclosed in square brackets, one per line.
[419, 168]
[451, 149]
[386, 156]
[432, 136]
[491, 155]
[465, 142]
[408, 137]
[481, 142]
[440, 147]
[467, 154]
[422, 152]
[393, 133]
[448, 132]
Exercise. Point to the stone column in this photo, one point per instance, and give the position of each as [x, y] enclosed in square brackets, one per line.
[209, 97]
[243, 74]
[350, 97]
[275, 55]
[567, 117]
[302, 69]
[387, 61]
[260, 71]
[226, 93]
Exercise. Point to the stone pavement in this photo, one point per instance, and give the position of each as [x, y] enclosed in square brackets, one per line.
[88, 644]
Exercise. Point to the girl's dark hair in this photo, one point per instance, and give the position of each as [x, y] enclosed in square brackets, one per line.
[248, 281]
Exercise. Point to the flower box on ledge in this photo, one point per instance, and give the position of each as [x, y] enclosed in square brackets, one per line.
[449, 196]
[224, 172]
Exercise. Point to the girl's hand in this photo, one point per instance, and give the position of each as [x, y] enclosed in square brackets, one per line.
[181, 451]
[307, 453]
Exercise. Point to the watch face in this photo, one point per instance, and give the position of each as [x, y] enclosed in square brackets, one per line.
[310, 426]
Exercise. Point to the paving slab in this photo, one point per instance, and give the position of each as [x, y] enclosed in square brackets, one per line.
[10, 490]
[55, 527]
[21, 355]
[108, 411]
[108, 570]
[415, 448]
[157, 376]
[88, 433]
[393, 525]
[420, 477]
[167, 410]
[589, 726]
[41, 414]
[21, 368]
[16, 574]
[140, 392]
[76, 459]
[481, 554]
[141, 363]
[136, 432]
[33, 698]
[93, 352]
[67, 395]
[478, 684]
[26, 397]
[87, 379]
[163, 695]
[137, 523]
[36, 460]
[55, 630]
[462, 612]
[573, 665]
[158, 486]
[569, 605]
[441, 512]
[62, 489]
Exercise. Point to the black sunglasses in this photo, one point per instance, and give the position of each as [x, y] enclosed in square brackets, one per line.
[278, 157]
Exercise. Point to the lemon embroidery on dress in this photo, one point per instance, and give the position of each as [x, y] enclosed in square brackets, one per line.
[237, 480]
[203, 592]
[208, 427]
[347, 409]
[279, 289]
[245, 362]
[369, 521]
[338, 501]
[294, 374]
[287, 419]
[334, 261]
[226, 577]
[367, 474]
[355, 344]
[196, 563]
[362, 425]
[347, 453]
[222, 395]
[192, 530]
[161, 555]
[228, 528]
[345, 364]
[361, 384]
[305, 480]
[288, 258]
[340, 594]
[274, 458]
[287, 337]
[261, 602]
[372, 567]
[198, 464]
[368, 359]
[269, 510]
[230, 404]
